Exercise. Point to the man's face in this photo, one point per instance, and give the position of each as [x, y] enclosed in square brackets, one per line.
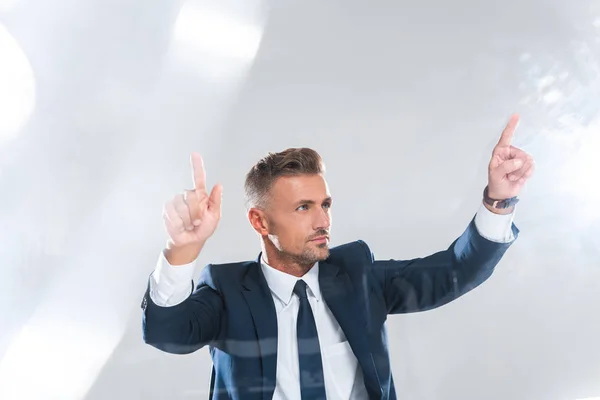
[299, 212]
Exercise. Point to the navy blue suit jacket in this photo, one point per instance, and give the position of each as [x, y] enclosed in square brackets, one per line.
[232, 310]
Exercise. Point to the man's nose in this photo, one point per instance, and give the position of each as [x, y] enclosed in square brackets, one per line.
[323, 220]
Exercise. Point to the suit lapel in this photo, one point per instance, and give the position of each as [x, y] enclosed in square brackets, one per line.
[258, 296]
[343, 301]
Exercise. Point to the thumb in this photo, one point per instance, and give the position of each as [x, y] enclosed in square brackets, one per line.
[509, 166]
[216, 194]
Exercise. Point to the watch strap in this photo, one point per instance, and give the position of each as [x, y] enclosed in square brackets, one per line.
[499, 203]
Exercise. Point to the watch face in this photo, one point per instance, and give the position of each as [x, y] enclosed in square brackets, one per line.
[509, 202]
[502, 203]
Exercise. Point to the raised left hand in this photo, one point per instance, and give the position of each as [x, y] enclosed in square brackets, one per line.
[510, 167]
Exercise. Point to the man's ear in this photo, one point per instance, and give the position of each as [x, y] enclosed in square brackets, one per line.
[258, 221]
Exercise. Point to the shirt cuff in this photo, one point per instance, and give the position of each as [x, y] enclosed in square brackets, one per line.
[495, 227]
[171, 285]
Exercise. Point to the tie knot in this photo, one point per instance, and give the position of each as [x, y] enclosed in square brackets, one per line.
[300, 289]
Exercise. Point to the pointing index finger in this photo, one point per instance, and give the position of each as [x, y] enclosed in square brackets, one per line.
[198, 173]
[509, 131]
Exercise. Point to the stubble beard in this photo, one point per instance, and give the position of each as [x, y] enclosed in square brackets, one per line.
[309, 256]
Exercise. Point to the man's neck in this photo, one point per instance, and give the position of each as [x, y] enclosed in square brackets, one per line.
[288, 266]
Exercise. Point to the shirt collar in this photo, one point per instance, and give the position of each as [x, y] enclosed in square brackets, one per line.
[282, 284]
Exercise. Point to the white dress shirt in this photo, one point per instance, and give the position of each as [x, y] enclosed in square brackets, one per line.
[170, 286]
[343, 377]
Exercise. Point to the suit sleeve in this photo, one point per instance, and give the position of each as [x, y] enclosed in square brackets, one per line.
[189, 325]
[426, 283]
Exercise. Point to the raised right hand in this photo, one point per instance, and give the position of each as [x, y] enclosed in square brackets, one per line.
[192, 217]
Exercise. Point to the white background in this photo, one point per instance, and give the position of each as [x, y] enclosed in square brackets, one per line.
[103, 101]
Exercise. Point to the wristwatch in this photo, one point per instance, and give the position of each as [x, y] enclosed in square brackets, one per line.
[500, 204]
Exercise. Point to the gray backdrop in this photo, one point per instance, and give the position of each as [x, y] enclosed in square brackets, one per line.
[103, 101]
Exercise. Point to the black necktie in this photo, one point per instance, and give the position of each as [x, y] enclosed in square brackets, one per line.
[312, 382]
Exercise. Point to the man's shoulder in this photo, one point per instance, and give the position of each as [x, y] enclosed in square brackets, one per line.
[357, 249]
[231, 270]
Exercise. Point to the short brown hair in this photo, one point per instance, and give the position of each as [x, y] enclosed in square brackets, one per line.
[290, 162]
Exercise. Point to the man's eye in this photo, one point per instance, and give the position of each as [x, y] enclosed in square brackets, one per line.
[328, 205]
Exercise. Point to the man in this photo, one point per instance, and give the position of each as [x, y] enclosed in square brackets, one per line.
[304, 321]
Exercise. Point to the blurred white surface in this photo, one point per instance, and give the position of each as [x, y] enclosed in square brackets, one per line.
[17, 87]
[403, 100]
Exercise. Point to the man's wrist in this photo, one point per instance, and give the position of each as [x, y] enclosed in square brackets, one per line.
[499, 211]
[493, 203]
[181, 255]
